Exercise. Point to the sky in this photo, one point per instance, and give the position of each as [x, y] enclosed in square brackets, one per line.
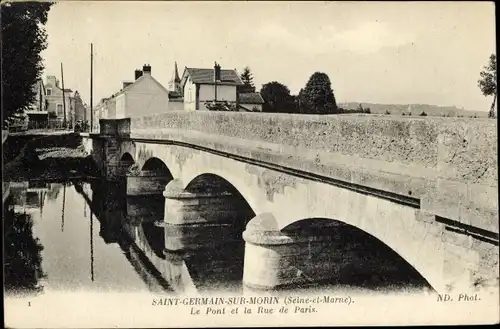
[379, 52]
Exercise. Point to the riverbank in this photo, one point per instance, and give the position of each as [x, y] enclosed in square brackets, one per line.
[50, 163]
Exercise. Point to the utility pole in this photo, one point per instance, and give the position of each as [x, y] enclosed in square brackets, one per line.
[64, 97]
[91, 246]
[91, 88]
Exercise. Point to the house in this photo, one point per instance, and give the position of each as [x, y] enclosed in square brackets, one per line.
[251, 102]
[144, 96]
[58, 107]
[78, 108]
[200, 86]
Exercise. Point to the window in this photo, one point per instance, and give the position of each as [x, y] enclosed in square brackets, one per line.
[49, 91]
[59, 109]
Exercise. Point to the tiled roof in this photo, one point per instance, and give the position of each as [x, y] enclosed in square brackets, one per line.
[251, 98]
[206, 76]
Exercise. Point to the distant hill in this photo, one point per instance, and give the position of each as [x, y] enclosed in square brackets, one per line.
[416, 109]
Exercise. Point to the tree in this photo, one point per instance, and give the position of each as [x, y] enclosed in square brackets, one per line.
[247, 78]
[317, 96]
[423, 114]
[488, 82]
[23, 39]
[277, 98]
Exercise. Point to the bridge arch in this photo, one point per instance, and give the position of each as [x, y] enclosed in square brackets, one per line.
[357, 257]
[127, 157]
[252, 195]
[225, 196]
[155, 167]
[412, 236]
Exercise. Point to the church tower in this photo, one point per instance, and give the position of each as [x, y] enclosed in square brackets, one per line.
[175, 83]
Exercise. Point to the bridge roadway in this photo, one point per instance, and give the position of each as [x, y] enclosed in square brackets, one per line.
[424, 187]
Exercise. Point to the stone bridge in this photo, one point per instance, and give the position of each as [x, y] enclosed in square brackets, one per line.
[298, 189]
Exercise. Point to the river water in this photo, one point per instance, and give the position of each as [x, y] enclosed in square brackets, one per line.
[78, 235]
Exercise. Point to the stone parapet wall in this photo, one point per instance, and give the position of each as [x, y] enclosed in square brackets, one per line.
[461, 149]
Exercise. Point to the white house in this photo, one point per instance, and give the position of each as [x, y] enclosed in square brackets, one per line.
[251, 102]
[144, 96]
[207, 85]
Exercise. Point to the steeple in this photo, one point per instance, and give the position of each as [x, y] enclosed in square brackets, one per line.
[176, 78]
[175, 82]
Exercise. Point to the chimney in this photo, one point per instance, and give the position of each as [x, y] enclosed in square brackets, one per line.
[138, 74]
[216, 72]
[146, 68]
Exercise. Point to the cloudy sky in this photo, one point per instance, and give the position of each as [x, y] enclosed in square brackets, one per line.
[379, 52]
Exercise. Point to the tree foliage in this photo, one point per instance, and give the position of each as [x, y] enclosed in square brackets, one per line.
[488, 82]
[317, 96]
[23, 39]
[277, 98]
[247, 78]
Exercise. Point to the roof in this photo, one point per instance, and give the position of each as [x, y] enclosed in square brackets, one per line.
[251, 98]
[130, 86]
[206, 76]
[174, 95]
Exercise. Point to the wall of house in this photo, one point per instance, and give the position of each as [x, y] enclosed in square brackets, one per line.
[189, 96]
[120, 106]
[111, 107]
[56, 97]
[145, 97]
[224, 93]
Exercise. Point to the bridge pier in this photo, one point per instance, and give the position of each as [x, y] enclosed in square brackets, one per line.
[274, 259]
[148, 182]
[200, 219]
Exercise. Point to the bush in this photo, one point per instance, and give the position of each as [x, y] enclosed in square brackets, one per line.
[387, 112]
[423, 114]
[133, 170]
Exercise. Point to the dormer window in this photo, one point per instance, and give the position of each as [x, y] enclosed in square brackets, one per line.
[49, 91]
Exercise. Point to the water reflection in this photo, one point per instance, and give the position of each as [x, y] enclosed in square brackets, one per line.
[22, 253]
[136, 224]
[91, 236]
